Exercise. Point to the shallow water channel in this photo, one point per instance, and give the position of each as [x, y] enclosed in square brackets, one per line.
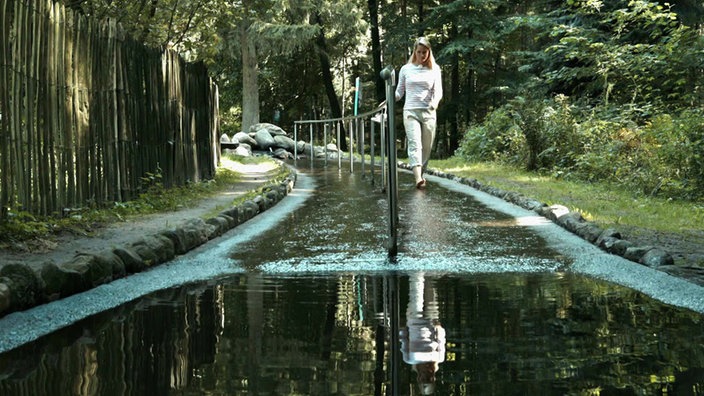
[474, 303]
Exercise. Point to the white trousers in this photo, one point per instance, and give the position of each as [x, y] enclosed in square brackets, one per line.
[420, 132]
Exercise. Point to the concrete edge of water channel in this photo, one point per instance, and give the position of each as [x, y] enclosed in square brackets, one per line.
[25, 326]
[22, 327]
[24, 285]
[609, 240]
[586, 257]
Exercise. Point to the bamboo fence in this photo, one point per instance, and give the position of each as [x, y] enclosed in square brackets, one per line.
[87, 114]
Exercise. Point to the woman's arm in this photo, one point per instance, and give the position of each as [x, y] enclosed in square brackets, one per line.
[401, 86]
[437, 89]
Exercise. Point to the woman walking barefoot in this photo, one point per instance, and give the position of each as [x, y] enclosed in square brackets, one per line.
[420, 81]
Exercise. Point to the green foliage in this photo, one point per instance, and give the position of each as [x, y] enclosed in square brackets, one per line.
[534, 133]
[659, 158]
[672, 151]
[498, 138]
[20, 225]
[626, 52]
[231, 120]
[187, 27]
[663, 157]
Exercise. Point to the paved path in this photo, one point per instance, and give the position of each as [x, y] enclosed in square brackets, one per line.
[107, 237]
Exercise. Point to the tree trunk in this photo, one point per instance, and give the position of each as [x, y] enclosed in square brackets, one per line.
[250, 82]
[328, 79]
[373, 6]
[420, 17]
[147, 26]
[454, 98]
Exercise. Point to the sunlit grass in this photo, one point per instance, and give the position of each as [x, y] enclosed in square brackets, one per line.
[605, 204]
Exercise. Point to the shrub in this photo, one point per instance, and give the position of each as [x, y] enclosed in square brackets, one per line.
[674, 153]
[498, 138]
[663, 156]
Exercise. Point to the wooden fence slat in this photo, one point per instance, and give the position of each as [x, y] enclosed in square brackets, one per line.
[86, 112]
[69, 153]
[17, 115]
[59, 97]
[5, 70]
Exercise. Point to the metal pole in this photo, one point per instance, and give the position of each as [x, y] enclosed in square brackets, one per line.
[325, 142]
[389, 75]
[361, 143]
[351, 148]
[295, 146]
[339, 150]
[382, 139]
[312, 148]
[371, 149]
[395, 342]
[357, 93]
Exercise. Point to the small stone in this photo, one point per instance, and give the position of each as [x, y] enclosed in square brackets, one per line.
[656, 257]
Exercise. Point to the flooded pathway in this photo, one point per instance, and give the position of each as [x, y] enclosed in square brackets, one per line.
[483, 298]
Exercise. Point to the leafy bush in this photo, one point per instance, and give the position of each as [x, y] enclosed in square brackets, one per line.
[20, 225]
[661, 157]
[673, 150]
[498, 138]
[535, 134]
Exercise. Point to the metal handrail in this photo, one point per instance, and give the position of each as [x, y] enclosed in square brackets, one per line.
[389, 168]
[355, 127]
[389, 75]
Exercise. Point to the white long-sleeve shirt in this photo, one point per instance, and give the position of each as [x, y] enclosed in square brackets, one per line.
[421, 86]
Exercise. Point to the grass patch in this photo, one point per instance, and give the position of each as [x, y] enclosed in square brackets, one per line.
[20, 226]
[602, 203]
[276, 176]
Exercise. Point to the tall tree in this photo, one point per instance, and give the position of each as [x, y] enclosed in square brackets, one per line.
[326, 71]
[259, 29]
[467, 48]
[250, 73]
[373, 9]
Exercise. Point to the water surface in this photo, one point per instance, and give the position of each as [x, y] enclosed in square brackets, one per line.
[316, 307]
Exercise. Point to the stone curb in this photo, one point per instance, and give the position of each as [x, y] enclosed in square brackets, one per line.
[609, 240]
[22, 287]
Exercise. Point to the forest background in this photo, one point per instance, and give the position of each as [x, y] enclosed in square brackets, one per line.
[578, 89]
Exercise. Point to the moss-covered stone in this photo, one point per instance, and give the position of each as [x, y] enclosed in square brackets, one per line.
[24, 285]
[61, 281]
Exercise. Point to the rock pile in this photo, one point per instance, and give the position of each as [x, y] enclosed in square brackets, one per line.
[265, 137]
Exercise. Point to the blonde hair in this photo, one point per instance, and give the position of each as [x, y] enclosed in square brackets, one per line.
[425, 43]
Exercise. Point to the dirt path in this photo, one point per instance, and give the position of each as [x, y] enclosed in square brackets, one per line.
[62, 248]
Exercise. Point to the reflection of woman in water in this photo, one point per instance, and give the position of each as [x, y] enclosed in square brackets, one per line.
[423, 338]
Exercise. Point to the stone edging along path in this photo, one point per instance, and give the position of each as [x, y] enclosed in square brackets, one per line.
[22, 287]
[609, 240]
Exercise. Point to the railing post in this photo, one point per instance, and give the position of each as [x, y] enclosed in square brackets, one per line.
[351, 147]
[312, 148]
[339, 149]
[325, 143]
[389, 75]
[372, 152]
[295, 147]
[360, 124]
[382, 139]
